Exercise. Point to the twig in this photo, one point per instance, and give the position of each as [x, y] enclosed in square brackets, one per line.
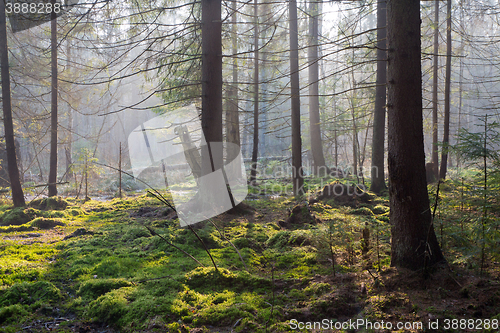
[203, 243]
[156, 194]
[154, 233]
[227, 239]
[427, 248]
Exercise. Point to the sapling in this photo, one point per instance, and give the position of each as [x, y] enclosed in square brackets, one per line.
[478, 148]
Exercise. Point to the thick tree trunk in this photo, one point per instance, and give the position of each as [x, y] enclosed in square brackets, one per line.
[319, 167]
[10, 146]
[53, 107]
[414, 243]
[297, 176]
[378, 143]
[447, 87]
[255, 149]
[435, 157]
[211, 117]
[232, 117]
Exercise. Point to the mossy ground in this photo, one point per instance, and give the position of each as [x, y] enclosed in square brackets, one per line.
[86, 266]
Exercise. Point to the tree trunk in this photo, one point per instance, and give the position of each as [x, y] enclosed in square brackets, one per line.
[211, 116]
[414, 243]
[255, 149]
[69, 138]
[447, 87]
[435, 157]
[53, 107]
[211, 102]
[232, 116]
[378, 143]
[10, 147]
[297, 176]
[319, 167]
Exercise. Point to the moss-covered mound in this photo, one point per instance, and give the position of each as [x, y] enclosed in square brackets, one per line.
[92, 289]
[16, 216]
[300, 214]
[29, 293]
[46, 223]
[52, 203]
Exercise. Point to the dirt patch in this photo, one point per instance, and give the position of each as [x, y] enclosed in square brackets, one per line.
[79, 232]
[300, 214]
[241, 209]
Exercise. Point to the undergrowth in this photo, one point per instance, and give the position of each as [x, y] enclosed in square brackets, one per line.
[96, 262]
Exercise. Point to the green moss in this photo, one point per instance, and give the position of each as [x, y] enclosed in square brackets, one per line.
[110, 307]
[92, 289]
[380, 209]
[383, 219]
[12, 313]
[203, 277]
[29, 293]
[16, 216]
[135, 232]
[317, 289]
[45, 223]
[279, 239]
[362, 211]
[51, 203]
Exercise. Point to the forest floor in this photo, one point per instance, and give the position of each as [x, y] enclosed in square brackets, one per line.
[73, 266]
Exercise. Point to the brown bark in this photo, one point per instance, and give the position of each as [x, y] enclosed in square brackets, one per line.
[232, 117]
[10, 147]
[414, 243]
[314, 118]
[378, 143]
[447, 88]
[211, 117]
[255, 148]
[53, 107]
[435, 157]
[297, 176]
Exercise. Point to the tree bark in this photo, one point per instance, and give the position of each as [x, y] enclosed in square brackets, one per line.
[447, 88]
[10, 147]
[378, 143]
[255, 149]
[319, 167]
[435, 157]
[414, 243]
[232, 117]
[297, 176]
[53, 106]
[211, 116]
[69, 138]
